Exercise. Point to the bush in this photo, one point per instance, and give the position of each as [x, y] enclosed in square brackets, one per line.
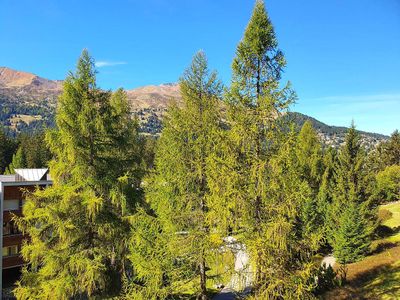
[388, 183]
[326, 279]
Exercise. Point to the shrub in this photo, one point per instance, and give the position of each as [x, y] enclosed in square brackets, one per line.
[326, 279]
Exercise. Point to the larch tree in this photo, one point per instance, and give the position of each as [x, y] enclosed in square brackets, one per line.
[309, 154]
[289, 239]
[308, 151]
[326, 190]
[261, 169]
[78, 227]
[178, 190]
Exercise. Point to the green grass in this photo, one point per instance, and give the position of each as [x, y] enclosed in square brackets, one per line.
[394, 208]
[385, 284]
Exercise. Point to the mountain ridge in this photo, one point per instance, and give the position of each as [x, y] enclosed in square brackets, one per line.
[28, 101]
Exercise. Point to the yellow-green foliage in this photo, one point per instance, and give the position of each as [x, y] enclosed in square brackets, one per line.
[388, 183]
[78, 228]
[187, 242]
[257, 174]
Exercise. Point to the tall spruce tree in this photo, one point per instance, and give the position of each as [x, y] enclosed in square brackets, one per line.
[77, 227]
[351, 238]
[178, 190]
[351, 194]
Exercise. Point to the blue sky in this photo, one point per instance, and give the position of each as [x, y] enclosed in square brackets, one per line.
[343, 55]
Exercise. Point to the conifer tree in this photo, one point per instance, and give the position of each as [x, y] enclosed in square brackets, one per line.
[7, 149]
[258, 169]
[351, 193]
[351, 238]
[290, 238]
[388, 184]
[309, 154]
[326, 190]
[77, 227]
[18, 161]
[178, 190]
[392, 149]
[35, 150]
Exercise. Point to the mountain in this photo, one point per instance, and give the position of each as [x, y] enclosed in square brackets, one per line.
[149, 104]
[334, 135]
[27, 88]
[153, 96]
[27, 103]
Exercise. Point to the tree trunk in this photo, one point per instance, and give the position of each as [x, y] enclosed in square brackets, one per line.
[203, 280]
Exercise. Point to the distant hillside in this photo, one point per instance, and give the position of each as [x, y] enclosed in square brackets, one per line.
[334, 135]
[28, 102]
[149, 104]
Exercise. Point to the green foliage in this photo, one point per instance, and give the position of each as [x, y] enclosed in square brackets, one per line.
[386, 154]
[388, 183]
[35, 150]
[327, 279]
[352, 214]
[309, 154]
[178, 193]
[219, 169]
[392, 149]
[325, 197]
[32, 152]
[257, 173]
[352, 239]
[18, 161]
[78, 227]
[310, 163]
[7, 148]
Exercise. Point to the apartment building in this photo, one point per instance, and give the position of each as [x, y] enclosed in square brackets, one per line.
[13, 189]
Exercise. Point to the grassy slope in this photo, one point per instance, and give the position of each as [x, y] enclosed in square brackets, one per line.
[378, 275]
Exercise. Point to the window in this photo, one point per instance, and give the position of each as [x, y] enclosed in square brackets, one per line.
[11, 205]
[11, 250]
[10, 228]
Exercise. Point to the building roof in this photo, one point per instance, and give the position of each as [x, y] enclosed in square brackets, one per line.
[31, 174]
[7, 178]
[27, 175]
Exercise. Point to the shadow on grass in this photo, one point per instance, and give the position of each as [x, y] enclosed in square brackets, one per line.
[384, 231]
[378, 281]
[383, 246]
